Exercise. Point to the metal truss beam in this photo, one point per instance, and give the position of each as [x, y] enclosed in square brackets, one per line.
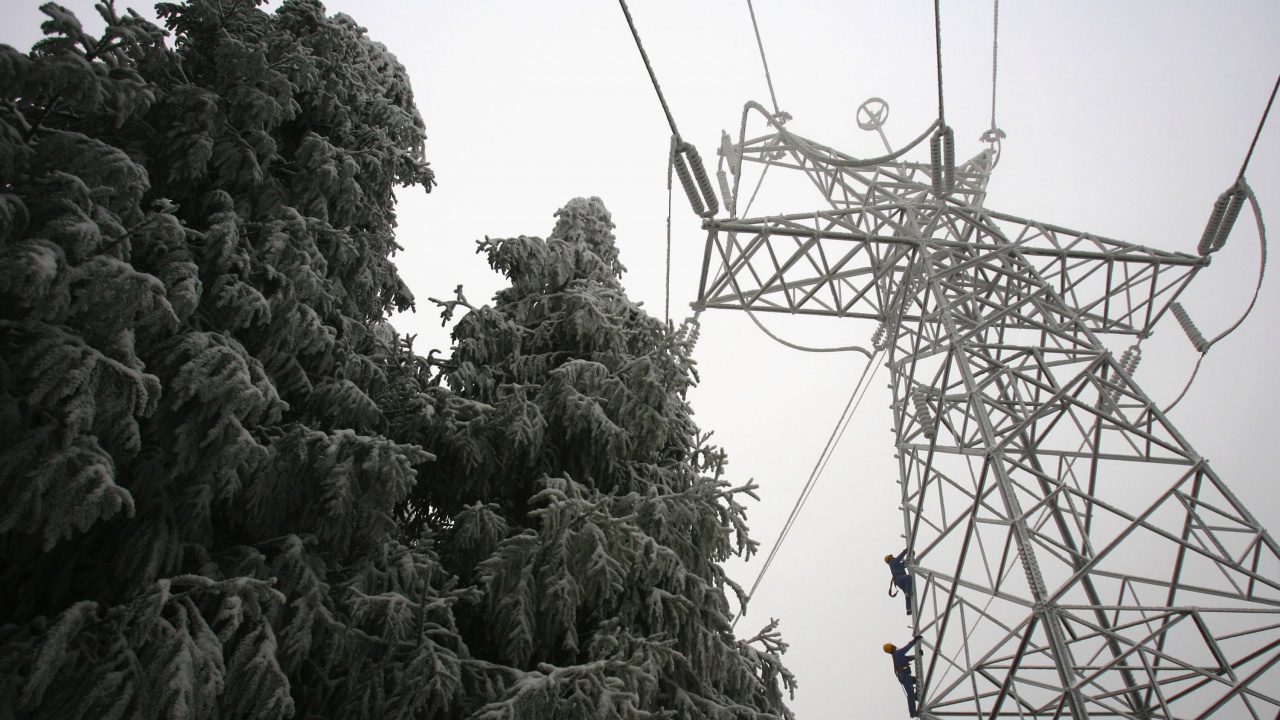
[1075, 556]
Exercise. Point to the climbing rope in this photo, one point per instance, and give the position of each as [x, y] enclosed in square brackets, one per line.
[670, 165]
[685, 155]
[837, 433]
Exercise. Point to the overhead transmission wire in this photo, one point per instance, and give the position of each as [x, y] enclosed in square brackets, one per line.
[942, 146]
[687, 163]
[995, 56]
[1258, 133]
[837, 432]
[1215, 236]
[763, 60]
[683, 159]
[994, 134]
[937, 44]
[649, 66]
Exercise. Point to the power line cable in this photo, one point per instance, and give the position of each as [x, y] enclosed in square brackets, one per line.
[995, 47]
[937, 36]
[649, 66]
[993, 133]
[942, 148]
[763, 60]
[688, 164]
[804, 348]
[1258, 132]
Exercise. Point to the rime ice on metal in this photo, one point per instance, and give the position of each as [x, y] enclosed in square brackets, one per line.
[1074, 555]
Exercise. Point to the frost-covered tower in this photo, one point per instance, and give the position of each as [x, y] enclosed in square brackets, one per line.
[1074, 555]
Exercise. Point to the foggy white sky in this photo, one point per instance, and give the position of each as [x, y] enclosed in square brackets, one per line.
[1125, 119]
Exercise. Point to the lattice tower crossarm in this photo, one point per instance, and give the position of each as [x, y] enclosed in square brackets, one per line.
[1074, 556]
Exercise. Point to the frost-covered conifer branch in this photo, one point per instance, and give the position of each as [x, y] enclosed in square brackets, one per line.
[450, 306]
[209, 439]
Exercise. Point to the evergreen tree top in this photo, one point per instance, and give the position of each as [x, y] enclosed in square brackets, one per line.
[574, 489]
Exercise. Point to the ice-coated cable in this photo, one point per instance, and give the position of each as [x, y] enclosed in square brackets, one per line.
[855, 399]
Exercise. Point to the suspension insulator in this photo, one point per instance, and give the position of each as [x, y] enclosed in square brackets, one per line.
[877, 338]
[704, 182]
[731, 153]
[725, 192]
[949, 158]
[1193, 333]
[1215, 220]
[923, 416]
[686, 180]
[1229, 220]
[1129, 361]
[1124, 359]
[942, 160]
[1225, 211]
[694, 329]
[935, 164]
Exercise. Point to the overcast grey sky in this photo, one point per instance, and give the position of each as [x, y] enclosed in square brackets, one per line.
[1125, 119]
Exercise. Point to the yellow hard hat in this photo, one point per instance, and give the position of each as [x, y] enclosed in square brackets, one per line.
[888, 647]
[887, 558]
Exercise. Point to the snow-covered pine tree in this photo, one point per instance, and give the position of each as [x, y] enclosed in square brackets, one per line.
[198, 393]
[574, 490]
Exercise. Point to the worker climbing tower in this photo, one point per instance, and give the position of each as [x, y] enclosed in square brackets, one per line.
[1074, 556]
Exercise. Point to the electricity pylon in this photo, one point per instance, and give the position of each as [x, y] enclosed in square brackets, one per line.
[1074, 557]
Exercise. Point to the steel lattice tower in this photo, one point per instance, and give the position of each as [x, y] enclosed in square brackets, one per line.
[1074, 556]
